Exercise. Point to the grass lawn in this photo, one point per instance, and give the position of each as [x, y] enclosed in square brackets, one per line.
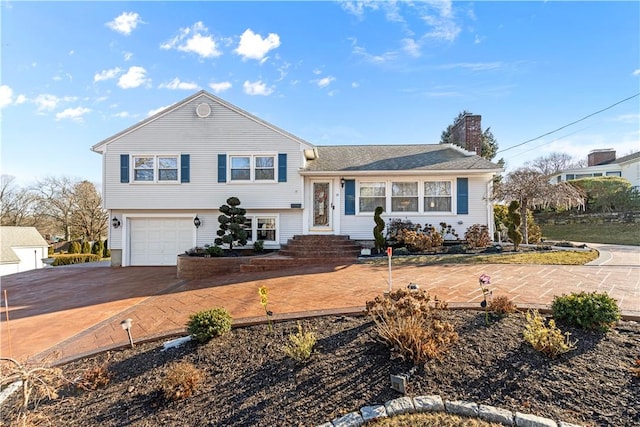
[620, 234]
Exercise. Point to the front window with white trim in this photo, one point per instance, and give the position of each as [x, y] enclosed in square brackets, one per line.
[437, 196]
[404, 197]
[152, 168]
[252, 168]
[372, 195]
[261, 227]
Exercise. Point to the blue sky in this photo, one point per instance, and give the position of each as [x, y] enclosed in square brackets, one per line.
[75, 73]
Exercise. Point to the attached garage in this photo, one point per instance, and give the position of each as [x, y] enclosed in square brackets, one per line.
[158, 241]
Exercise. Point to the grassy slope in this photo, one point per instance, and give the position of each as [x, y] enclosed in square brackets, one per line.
[620, 234]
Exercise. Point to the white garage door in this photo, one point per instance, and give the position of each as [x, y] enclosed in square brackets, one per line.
[158, 241]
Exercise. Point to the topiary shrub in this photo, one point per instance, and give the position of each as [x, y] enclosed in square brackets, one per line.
[477, 236]
[378, 237]
[515, 220]
[97, 248]
[596, 311]
[207, 324]
[74, 248]
[232, 223]
[548, 340]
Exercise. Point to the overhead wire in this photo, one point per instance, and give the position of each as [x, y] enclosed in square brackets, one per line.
[570, 124]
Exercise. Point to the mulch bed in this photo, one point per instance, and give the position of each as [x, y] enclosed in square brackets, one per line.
[250, 382]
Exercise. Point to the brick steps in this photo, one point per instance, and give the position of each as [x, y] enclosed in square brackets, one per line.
[307, 250]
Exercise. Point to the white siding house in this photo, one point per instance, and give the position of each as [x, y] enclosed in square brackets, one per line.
[22, 249]
[186, 161]
[605, 163]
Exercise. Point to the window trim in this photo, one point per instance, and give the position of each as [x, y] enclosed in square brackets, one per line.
[417, 196]
[254, 226]
[156, 168]
[424, 196]
[252, 168]
[420, 196]
[359, 197]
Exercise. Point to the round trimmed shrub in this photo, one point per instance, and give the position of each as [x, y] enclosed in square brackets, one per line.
[207, 324]
[589, 310]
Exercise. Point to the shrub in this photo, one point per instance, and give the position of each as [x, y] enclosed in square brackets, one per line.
[378, 237]
[515, 219]
[86, 247]
[232, 223]
[258, 246]
[106, 252]
[68, 259]
[97, 248]
[207, 324]
[420, 241]
[74, 248]
[597, 311]
[477, 236]
[300, 345]
[94, 377]
[396, 228]
[181, 381]
[406, 322]
[636, 369]
[215, 251]
[50, 251]
[548, 340]
[501, 305]
[448, 230]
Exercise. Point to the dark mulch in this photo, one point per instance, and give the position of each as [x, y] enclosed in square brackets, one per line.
[250, 382]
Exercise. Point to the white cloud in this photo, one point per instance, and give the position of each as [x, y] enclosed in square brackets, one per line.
[474, 66]
[106, 74]
[6, 96]
[20, 99]
[325, 81]
[411, 47]
[177, 84]
[121, 115]
[136, 76]
[375, 59]
[253, 46]
[195, 40]
[355, 85]
[628, 118]
[440, 17]
[125, 23]
[256, 88]
[46, 102]
[636, 72]
[74, 114]
[220, 87]
[157, 110]
[127, 56]
[358, 8]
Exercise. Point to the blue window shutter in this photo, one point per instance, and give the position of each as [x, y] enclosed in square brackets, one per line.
[184, 168]
[124, 168]
[463, 196]
[282, 167]
[222, 168]
[349, 196]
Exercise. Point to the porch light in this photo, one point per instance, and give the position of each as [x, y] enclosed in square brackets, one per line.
[126, 325]
[342, 182]
[115, 222]
[197, 222]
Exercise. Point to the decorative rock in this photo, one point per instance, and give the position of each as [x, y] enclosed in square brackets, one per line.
[401, 405]
[373, 412]
[495, 415]
[563, 424]
[461, 407]
[528, 420]
[352, 419]
[431, 403]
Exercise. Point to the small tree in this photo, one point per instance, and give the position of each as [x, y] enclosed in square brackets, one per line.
[97, 248]
[86, 247]
[232, 224]
[514, 224]
[380, 241]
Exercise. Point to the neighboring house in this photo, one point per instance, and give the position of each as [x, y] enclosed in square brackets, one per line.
[605, 163]
[187, 160]
[22, 249]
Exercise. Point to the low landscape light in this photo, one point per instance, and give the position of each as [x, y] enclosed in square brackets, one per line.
[126, 325]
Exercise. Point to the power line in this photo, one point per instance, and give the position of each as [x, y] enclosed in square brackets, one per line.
[570, 124]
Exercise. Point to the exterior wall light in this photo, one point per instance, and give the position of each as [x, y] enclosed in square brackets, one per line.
[115, 222]
[197, 222]
[342, 182]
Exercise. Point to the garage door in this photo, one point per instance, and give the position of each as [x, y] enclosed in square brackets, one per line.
[158, 241]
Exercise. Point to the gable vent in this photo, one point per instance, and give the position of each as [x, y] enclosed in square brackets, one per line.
[203, 110]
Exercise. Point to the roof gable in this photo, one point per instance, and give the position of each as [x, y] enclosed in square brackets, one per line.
[101, 146]
[395, 158]
[14, 237]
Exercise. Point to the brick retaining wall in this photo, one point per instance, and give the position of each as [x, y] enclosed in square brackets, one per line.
[190, 267]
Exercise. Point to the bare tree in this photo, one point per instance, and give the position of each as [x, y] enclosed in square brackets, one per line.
[15, 203]
[56, 201]
[554, 163]
[88, 217]
[532, 189]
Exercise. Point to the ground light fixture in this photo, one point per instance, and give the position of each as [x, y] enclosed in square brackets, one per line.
[126, 325]
[115, 222]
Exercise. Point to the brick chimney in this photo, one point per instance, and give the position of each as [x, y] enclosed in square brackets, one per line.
[601, 157]
[467, 133]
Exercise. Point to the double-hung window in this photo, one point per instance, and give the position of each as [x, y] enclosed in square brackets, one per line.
[372, 195]
[437, 196]
[152, 168]
[404, 197]
[253, 168]
[261, 227]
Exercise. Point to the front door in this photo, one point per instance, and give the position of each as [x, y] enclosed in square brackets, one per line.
[322, 206]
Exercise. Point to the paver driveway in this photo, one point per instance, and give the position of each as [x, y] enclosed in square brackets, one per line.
[63, 313]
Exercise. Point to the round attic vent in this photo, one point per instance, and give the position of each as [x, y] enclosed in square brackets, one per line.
[203, 110]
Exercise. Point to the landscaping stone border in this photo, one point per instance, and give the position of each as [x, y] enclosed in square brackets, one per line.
[435, 403]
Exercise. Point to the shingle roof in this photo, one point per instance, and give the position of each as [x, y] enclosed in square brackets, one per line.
[628, 157]
[12, 237]
[419, 157]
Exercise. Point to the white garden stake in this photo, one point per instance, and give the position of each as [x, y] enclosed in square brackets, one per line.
[389, 253]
